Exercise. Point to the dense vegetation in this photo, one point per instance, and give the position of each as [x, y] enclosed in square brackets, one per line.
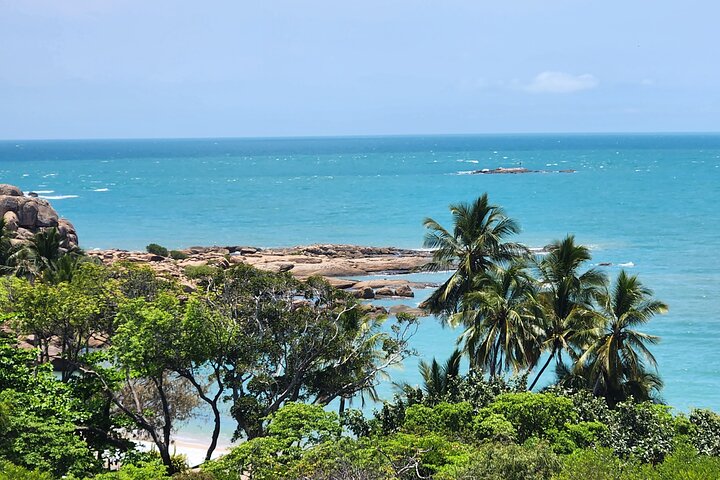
[94, 356]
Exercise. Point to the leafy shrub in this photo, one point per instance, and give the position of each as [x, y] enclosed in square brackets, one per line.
[142, 471]
[200, 271]
[705, 435]
[533, 414]
[449, 419]
[643, 430]
[598, 464]
[494, 426]
[156, 249]
[586, 434]
[193, 475]
[422, 455]
[292, 429]
[496, 461]
[8, 471]
[685, 463]
[178, 255]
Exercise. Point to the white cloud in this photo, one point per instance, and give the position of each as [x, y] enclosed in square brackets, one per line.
[560, 82]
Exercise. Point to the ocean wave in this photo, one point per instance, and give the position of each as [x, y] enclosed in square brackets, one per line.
[626, 264]
[58, 197]
[101, 190]
[41, 192]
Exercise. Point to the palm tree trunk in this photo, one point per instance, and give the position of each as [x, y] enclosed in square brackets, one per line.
[542, 370]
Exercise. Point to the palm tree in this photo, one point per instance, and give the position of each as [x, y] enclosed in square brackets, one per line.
[438, 379]
[569, 322]
[44, 254]
[500, 318]
[6, 249]
[617, 357]
[476, 244]
[643, 386]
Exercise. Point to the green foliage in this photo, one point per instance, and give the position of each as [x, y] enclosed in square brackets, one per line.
[177, 255]
[533, 414]
[8, 471]
[705, 434]
[450, 419]
[598, 464]
[156, 249]
[142, 471]
[685, 463]
[193, 475]
[496, 461]
[495, 427]
[304, 424]
[642, 430]
[200, 271]
[602, 464]
[291, 430]
[474, 245]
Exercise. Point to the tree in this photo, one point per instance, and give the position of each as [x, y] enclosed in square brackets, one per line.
[618, 357]
[298, 341]
[137, 374]
[439, 380]
[6, 249]
[500, 319]
[476, 244]
[63, 318]
[39, 417]
[569, 321]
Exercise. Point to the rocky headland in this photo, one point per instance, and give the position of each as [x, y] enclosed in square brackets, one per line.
[26, 215]
[338, 264]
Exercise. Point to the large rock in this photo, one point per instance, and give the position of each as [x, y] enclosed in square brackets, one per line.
[10, 190]
[26, 216]
[12, 222]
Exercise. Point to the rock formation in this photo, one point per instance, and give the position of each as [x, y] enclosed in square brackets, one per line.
[25, 216]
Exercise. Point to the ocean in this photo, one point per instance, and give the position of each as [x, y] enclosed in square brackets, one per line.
[646, 203]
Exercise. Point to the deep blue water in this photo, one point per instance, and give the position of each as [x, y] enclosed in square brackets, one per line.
[649, 202]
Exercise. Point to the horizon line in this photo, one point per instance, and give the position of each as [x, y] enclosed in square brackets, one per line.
[360, 136]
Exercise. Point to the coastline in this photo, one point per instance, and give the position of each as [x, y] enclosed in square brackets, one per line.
[336, 263]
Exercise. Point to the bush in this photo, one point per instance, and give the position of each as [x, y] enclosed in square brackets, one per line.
[178, 255]
[156, 249]
[685, 463]
[598, 464]
[200, 271]
[495, 427]
[8, 471]
[450, 419]
[643, 430]
[705, 435]
[495, 461]
[533, 414]
[144, 471]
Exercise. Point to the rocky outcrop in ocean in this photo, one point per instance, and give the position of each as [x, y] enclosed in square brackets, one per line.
[26, 215]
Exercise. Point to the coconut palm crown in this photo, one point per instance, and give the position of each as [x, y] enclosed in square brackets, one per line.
[500, 320]
[569, 320]
[618, 357]
[476, 243]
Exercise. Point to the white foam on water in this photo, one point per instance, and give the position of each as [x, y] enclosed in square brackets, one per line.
[58, 197]
[626, 264]
[40, 192]
[101, 190]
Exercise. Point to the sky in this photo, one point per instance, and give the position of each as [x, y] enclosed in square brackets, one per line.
[239, 68]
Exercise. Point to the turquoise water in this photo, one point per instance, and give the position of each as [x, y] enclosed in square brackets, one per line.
[649, 202]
